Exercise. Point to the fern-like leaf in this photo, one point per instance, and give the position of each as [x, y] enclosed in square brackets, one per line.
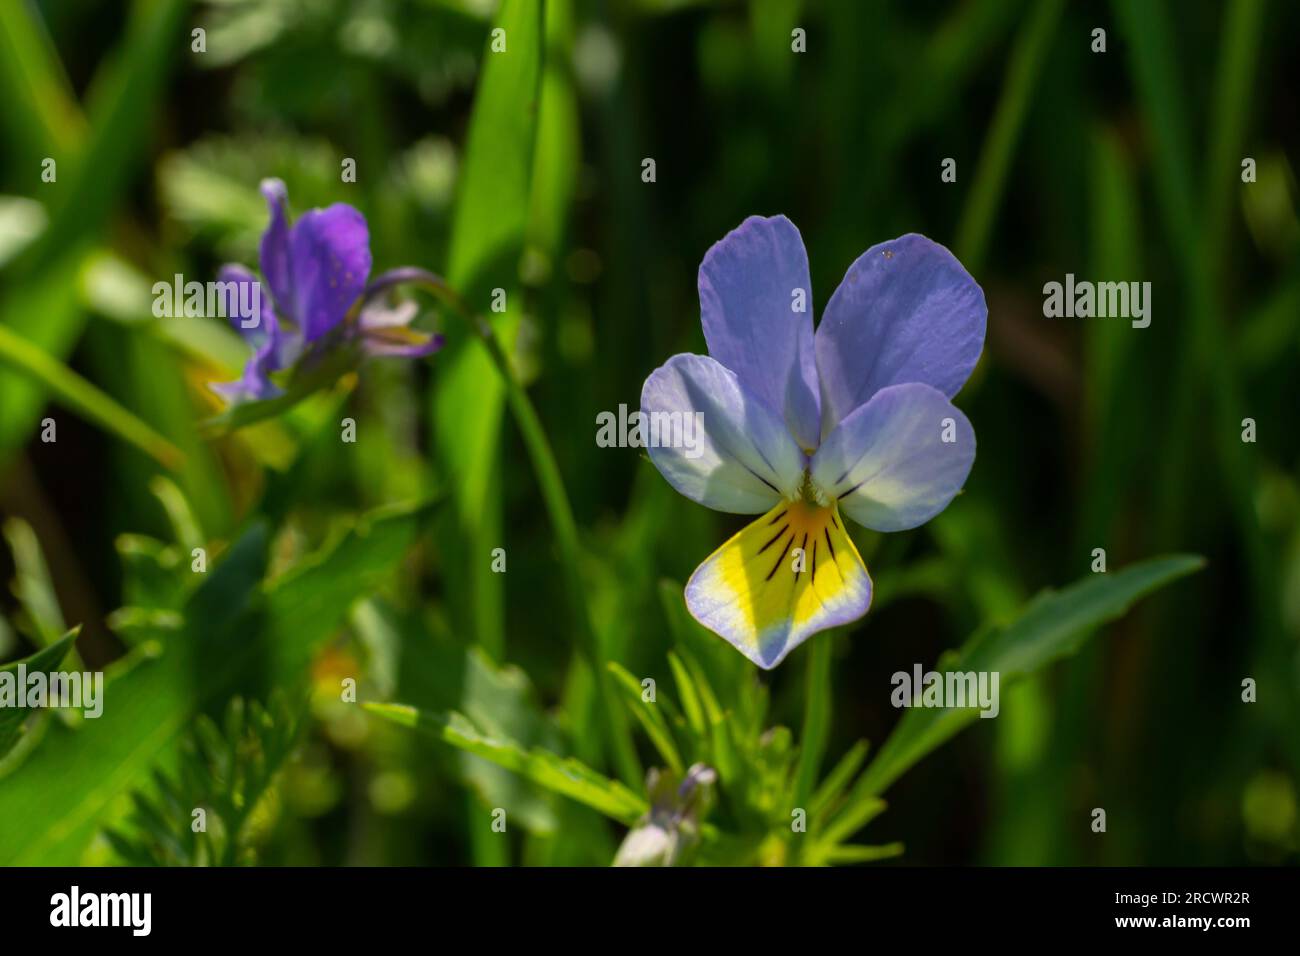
[200, 815]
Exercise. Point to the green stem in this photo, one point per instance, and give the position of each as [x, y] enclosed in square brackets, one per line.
[816, 717]
[556, 499]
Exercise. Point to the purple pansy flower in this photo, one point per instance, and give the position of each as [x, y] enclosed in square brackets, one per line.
[801, 428]
[316, 270]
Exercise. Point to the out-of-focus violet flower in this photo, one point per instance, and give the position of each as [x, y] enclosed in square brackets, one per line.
[672, 825]
[317, 271]
[800, 428]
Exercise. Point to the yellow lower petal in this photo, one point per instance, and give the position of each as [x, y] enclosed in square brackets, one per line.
[786, 576]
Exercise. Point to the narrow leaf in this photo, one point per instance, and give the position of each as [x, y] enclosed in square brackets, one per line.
[1052, 625]
[45, 660]
[79, 396]
[564, 775]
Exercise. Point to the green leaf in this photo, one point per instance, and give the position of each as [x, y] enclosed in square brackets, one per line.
[855, 853]
[690, 697]
[1148, 37]
[304, 385]
[728, 672]
[238, 633]
[78, 395]
[1018, 89]
[32, 584]
[558, 154]
[439, 673]
[830, 789]
[180, 515]
[300, 609]
[94, 168]
[40, 117]
[154, 575]
[45, 660]
[52, 804]
[564, 775]
[226, 771]
[651, 719]
[488, 231]
[725, 755]
[1052, 625]
[856, 814]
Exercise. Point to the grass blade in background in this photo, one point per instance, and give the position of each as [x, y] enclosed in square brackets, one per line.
[77, 394]
[487, 238]
[41, 304]
[1021, 82]
[1051, 626]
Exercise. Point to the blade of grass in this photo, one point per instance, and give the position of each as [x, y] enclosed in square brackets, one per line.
[43, 307]
[976, 224]
[79, 396]
[829, 790]
[563, 525]
[488, 228]
[41, 117]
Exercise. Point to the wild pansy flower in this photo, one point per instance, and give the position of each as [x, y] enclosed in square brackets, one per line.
[807, 429]
[317, 271]
[671, 827]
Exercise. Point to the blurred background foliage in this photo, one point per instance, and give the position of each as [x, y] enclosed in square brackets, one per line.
[522, 171]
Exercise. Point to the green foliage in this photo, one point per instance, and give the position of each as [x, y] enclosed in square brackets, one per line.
[205, 814]
[236, 631]
[531, 689]
[1051, 626]
[761, 771]
[32, 584]
[74, 392]
[44, 306]
[487, 231]
[45, 660]
[563, 775]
